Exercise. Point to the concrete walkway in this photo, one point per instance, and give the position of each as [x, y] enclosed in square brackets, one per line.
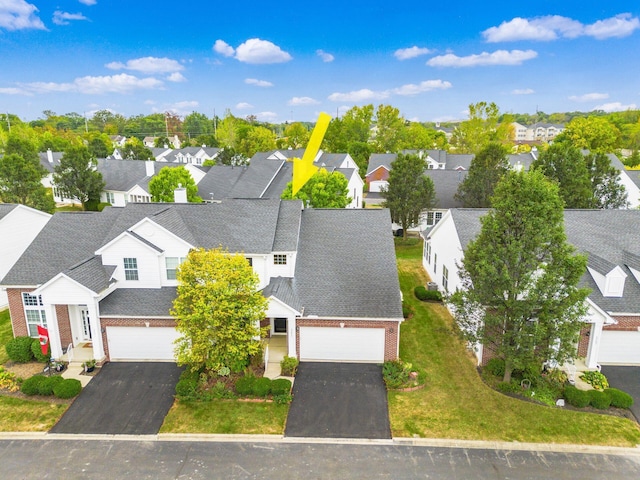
[277, 346]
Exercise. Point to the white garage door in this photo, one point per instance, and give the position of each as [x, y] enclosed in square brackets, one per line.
[620, 347]
[342, 344]
[141, 343]
[376, 185]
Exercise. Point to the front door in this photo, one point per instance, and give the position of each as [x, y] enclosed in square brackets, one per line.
[86, 326]
[279, 325]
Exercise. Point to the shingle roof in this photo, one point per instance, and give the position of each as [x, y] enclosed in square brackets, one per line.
[122, 175]
[139, 302]
[283, 289]
[346, 264]
[446, 184]
[377, 160]
[92, 274]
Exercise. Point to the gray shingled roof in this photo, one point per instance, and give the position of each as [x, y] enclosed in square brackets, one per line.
[242, 182]
[139, 302]
[607, 237]
[331, 159]
[377, 160]
[122, 175]
[283, 289]
[288, 229]
[446, 184]
[336, 272]
[92, 274]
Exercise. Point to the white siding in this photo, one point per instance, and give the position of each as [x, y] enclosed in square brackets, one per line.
[148, 259]
[445, 244]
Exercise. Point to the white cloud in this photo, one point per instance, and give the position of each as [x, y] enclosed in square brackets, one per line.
[121, 83]
[19, 15]
[499, 57]
[223, 48]
[358, 96]
[412, 52]
[182, 108]
[523, 91]
[148, 65]
[88, 2]
[176, 77]
[589, 97]
[619, 26]
[254, 51]
[257, 83]
[15, 91]
[301, 101]
[326, 57]
[243, 106]
[616, 107]
[267, 116]
[63, 18]
[552, 27]
[426, 86]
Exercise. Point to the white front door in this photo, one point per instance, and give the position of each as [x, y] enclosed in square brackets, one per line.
[86, 325]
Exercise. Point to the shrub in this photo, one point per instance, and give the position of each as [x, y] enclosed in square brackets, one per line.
[289, 366]
[420, 292]
[262, 387]
[619, 399]
[396, 373]
[8, 380]
[407, 311]
[281, 386]
[46, 386]
[596, 379]
[510, 387]
[67, 388]
[36, 349]
[575, 397]
[599, 400]
[495, 367]
[282, 399]
[187, 387]
[19, 349]
[31, 386]
[244, 385]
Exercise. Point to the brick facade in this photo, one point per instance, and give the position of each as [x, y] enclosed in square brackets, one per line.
[131, 322]
[583, 343]
[378, 174]
[16, 310]
[628, 323]
[390, 337]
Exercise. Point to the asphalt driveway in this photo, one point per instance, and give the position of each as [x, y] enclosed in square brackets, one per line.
[124, 398]
[339, 400]
[626, 379]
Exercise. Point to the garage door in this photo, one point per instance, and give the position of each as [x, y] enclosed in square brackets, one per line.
[620, 348]
[342, 344]
[141, 343]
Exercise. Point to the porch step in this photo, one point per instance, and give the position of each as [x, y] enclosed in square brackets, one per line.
[76, 370]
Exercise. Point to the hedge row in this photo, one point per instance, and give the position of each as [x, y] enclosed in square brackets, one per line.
[597, 399]
[262, 386]
[54, 385]
[25, 349]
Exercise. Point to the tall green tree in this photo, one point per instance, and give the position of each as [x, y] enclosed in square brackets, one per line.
[218, 311]
[256, 139]
[354, 126]
[77, 175]
[607, 190]
[481, 128]
[21, 182]
[323, 190]
[520, 295]
[196, 124]
[390, 129]
[409, 192]
[564, 163]
[596, 134]
[419, 137]
[486, 169]
[164, 184]
[296, 135]
[134, 149]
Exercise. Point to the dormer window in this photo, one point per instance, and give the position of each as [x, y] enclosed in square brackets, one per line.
[279, 259]
[131, 269]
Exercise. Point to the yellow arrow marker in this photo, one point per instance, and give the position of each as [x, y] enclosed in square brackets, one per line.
[303, 169]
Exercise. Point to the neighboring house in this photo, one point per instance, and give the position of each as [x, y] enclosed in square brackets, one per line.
[107, 280]
[173, 140]
[49, 160]
[195, 155]
[118, 141]
[630, 179]
[538, 132]
[610, 239]
[19, 225]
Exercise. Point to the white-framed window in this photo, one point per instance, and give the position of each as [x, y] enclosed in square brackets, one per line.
[445, 278]
[279, 259]
[435, 263]
[131, 269]
[34, 312]
[110, 197]
[433, 217]
[427, 252]
[172, 266]
[249, 261]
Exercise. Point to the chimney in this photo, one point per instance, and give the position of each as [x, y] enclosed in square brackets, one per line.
[49, 155]
[149, 166]
[180, 194]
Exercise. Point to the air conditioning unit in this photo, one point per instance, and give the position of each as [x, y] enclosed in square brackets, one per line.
[432, 286]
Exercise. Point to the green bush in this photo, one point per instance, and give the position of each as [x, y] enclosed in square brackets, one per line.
[67, 388]
[420, 292]
[282, 399]
[46, 386]
[187, 387]
[575, 397]
[289, 366]
[619, 399]
[244, 385]
[19, 349]
[510, 387]
[262, 387]
[495, 367]
[596, 379]
[31, 386]
[407, 311]
[36, 349]
[396, 373]
[425, 295]
[599, 400]
[281, 386]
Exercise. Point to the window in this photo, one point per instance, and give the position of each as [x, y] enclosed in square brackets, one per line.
[435, 263]
[250, 261]
[172, 266]
[34, 313]
[433, 218]
[445, 278]
[131, 269]
[427, 252]
[279, 259]
[110, 197]
[279, 325]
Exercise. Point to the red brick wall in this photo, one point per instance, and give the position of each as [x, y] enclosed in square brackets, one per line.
[379, 174]
[390, 337]
[625, 323]
[131, 322]
[16, 310]
[64, 324]
[583, 343]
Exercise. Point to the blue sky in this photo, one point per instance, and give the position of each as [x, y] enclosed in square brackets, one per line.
[288, 61]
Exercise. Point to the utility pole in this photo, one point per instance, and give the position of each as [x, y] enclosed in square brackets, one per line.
[9, 122]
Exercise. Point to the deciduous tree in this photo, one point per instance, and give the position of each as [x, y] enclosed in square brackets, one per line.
[596, 134]
[607, 190]
[486, 169]
[323, 190]
[21, 182]
[520, 296]
[218, 311]
[481, 128]
[77, 175]
[164, 184]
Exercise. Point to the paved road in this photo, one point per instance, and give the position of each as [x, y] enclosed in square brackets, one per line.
[114, 459]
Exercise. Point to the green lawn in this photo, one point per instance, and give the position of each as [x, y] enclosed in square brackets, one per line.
[457, 404]
[17, 415]
[6, 334]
